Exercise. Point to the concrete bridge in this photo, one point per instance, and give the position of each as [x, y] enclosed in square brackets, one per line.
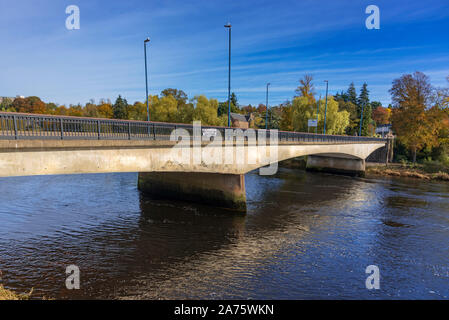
[205, 164]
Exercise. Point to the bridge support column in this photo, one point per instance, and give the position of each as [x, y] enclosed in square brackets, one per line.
[220, 190]
[336, 165]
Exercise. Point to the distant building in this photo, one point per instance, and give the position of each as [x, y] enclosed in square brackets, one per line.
[10, 98]
[385, 130]
[240, 120]
[4, 98]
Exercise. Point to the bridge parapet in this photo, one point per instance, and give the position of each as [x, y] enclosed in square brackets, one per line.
[21, 126]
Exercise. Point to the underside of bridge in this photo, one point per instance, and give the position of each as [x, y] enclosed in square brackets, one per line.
[336, 164]
[228, 190]
[219, 190]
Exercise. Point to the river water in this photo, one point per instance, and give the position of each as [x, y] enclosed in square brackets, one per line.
[305, 236]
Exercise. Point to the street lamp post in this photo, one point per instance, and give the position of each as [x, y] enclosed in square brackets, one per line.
[146, 74]
[266, 113]
[317, 113]
[228, 25]
[361, 119]
[325, 106]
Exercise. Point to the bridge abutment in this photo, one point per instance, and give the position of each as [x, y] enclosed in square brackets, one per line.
[336, 165]
[219, 190]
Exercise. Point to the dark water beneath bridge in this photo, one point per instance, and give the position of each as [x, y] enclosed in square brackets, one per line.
[305, 236]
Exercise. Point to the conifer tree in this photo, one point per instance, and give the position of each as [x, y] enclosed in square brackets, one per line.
[120, 108]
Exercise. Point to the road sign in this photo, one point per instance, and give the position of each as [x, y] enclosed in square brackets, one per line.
[312, 123]
[209, 133]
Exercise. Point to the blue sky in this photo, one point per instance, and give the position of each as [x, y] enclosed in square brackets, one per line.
[272, 41]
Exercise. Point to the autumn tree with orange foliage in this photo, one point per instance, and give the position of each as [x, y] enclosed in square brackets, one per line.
[105, 110]
[286, 123]
[443, 104]
[29, 105]
[381, 115]
[415, 125]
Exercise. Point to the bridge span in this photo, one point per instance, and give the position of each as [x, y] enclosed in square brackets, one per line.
[205, 164]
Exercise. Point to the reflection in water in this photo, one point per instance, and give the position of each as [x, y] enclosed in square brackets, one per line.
[305, 236]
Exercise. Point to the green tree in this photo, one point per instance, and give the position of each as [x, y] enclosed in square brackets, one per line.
[343, 96]
[179, 95]
[223, 106]
[137, 111]
[351, 108]
[120, 108]
[163, 109]
[275, 117]
[303, 110]
[234, 100]
[364, 104]
[336, 121]
[352, 94]
[6, 104]
[206, 111]
[185, 113]
[347, 101]
[51, 107]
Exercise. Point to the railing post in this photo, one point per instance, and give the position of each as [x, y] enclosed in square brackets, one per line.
[129, 130]
[98, 129]
[15, 128]
[62, 128]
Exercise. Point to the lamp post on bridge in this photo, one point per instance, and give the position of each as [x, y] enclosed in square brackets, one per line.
[266, 113]
[228, 25]
[317, 113]
[146, 75]
[361, 119]
[325, 107]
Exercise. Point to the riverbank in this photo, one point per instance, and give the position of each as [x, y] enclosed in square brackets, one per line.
[6, 294]
[399, 170]
[418, 171]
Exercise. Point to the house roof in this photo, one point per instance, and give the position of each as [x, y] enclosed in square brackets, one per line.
[238, 117]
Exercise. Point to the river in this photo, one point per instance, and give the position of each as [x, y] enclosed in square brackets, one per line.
[305, 236]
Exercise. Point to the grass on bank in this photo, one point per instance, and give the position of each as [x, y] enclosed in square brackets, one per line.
[6, 294]
[428, 170]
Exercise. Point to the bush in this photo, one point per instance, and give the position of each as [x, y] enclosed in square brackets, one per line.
[431, 166]
[444, 159]
[403, 161]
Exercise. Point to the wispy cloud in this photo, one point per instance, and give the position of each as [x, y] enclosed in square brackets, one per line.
[275, 42]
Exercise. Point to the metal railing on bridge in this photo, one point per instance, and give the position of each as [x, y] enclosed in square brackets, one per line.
[21, 126]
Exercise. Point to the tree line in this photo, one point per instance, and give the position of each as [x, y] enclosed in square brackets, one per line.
[419, 112]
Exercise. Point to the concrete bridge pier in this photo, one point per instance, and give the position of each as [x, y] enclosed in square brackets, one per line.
[336, 164]
[219, 190]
